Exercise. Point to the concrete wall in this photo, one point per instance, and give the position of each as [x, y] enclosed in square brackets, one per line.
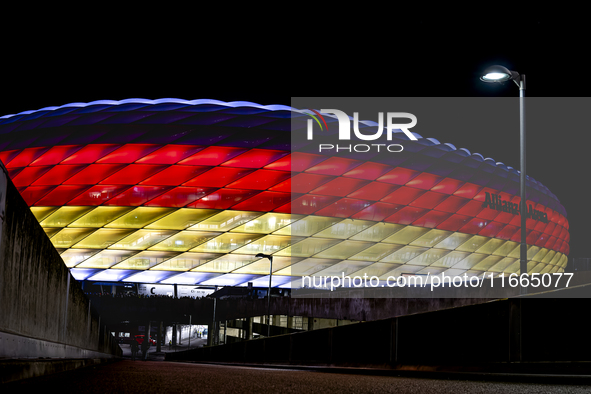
[43, 311]
[524, 329]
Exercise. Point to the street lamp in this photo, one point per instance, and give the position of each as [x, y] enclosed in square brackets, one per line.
[268, 256]
[502, 74]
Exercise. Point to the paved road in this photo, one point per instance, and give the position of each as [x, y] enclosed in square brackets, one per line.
[168, 377]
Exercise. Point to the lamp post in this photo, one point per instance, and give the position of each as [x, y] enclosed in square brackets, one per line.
[268, 256]
[502, 74]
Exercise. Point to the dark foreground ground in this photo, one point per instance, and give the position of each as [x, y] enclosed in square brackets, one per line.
[170, 377]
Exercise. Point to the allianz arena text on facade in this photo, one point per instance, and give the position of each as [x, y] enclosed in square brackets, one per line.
[189, 192]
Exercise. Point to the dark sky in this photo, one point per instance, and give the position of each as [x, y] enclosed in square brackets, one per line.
[421, 58]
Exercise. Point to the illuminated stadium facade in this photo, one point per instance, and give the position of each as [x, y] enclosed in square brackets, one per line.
[188, 192]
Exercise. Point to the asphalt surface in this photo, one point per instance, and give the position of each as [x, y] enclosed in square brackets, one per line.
[171, 377]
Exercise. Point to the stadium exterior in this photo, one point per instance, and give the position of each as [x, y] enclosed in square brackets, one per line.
[189, 192]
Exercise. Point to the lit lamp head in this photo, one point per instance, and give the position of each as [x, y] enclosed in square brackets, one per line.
[498, 74]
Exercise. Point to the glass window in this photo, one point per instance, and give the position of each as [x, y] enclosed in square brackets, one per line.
[106, 258]
[69, 236]
[73, 257]
[344, 250]
[145, 260]
[308, 247]
[261, 267]
[345, 229]
[226, 263]
[268, 244]
[103, 238]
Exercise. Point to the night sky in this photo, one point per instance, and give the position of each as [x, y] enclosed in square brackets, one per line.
[418, 59]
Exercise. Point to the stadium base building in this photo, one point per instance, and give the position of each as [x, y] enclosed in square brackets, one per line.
[189, 192]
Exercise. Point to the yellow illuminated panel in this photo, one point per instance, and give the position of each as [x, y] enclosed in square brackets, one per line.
[64, 216]
[308, 247]
[345, 229]
[506, 248]
[100, 216]
[185, 240]
[428, 257]
[69, 236]
[344, 250]
[376, 269]
[103, 238]
[145, 260]
[431, 238]
[453, 241]
[307, 267]
[182, 219]
[491, 246]
[226, 221]
[406, 235]
[346, 267]
[404, 254]
[227, 263]
[268, 244]
[140, 217]
[185, 261]
[473, 243]
[226, 243]
[106, 258]
[308, 226]
[51, 231]
[378, 232]
[42, 212]
[73, 257]
[142, 239]
[261, 267]
[502, 264]
[268, 223]
[376, 252]
[470, 261]
[450, 259]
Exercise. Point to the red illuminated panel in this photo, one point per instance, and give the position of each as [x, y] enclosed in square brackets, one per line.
[424, 181]
[260, 180]
[542, 239]
[55, 155]
[369, 171]
[302, 183]
[471, 208]
[265, 201]
[492, 229]
[223, 199]
[377, 211]
[90, 154]
[133, 173]
[407, 215]
[507, 232]
[431, 219]
[12, 172]
[334, 166]
[447, 186]
[25, 158]
[481, 196]
[452, 204]
[29, 175]
[488, 213]
[468, 190]
[170, 154]
[399, 176]
[8, 155]
[296, 162]
[218, 177]
[213, 156]
[340, 186]
[137, 195]
[428, 200]
[255, 158]
[128, 153]
[180, 196]
[307, 204]
[93, 174]
[540, 226]
[97, 195]
[549, 228]
[58, 174]
[344, 208]
[532, 237]
[504, 217]
[454, 223]
[474, 226]
[374, 191]
[551, 242]
[33, 193]
[175, 175]
[61, 195]
[404, 195]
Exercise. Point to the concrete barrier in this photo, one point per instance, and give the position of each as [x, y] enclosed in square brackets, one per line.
[43, 311]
